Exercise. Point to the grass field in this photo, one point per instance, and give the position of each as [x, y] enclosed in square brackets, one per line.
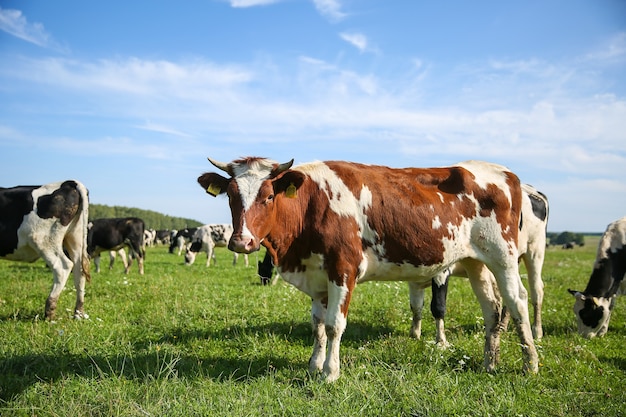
[197, 341]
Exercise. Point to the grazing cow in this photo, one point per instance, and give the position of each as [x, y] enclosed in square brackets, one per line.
[531, 246]
[149, 236]
[48, 222]
[114, 234]
[162, 237]
[331, 225]
[180, 238]
[594, 305]
[206, 239]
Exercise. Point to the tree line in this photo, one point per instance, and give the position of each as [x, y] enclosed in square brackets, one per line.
[152, 219]
[566, 237]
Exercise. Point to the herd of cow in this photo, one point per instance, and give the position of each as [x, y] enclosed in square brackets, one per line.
[328, 226]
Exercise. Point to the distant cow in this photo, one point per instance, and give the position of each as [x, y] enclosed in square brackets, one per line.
[162, 237]
[206, 238]
[331, 225]
[116, 233]
[48, 222]
[532, 248]
[594, 305]
[180, 238]
[149, 237]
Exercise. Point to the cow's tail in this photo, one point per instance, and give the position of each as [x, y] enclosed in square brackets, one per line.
[82, 223]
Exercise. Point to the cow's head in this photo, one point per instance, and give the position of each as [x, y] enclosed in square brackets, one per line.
[254, 186]
[592, 313]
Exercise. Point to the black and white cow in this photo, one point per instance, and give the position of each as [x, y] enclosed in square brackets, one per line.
[48, 222]
[593, 306]
[531, 246]
[114, 234]
[206, 238]
[149, 237]
[162, 237]
[180, 238]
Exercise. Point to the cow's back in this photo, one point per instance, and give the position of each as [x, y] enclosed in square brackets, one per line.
[424, 218]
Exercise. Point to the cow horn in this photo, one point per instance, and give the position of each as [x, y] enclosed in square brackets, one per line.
[284, 167]
[219, 165]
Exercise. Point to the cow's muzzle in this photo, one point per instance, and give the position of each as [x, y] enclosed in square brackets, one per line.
[243, 244]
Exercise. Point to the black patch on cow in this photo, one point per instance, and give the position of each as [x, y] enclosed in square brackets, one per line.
[438, 301]
[63, 203]
[591, 314]
[540, 209]
[265, 268]
[195, 246]
[617, 260]
[608, 275]
[15, 203]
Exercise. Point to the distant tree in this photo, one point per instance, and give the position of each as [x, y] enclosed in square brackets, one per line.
[567, 237]
[152, 219]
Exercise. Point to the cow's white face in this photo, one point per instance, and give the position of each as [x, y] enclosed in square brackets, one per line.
[593, 315]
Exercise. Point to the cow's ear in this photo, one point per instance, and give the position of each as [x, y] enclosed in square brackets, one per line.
[213, 183]
[289, 183]
[577, 294]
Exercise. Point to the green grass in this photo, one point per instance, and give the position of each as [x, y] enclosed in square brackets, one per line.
[183, 341]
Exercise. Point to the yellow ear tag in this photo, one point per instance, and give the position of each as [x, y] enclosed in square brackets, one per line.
[291, 191]
[213, 189]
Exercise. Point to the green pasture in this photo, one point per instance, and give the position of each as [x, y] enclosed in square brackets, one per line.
[198, 341]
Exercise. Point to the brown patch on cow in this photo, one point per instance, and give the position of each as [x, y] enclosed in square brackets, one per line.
[64, 203]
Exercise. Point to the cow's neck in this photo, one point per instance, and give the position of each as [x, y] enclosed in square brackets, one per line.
[607, 274]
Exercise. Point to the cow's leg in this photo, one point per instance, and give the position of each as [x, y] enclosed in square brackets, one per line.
[124, 259]
[245, 260]
[516, 299]
[438, 305]
[111, 259]
[318, 318]
[482, 284]
[534, 265]
[235, 257]
[210, 255]
[96, 261]
[336, 319]
[416, 301]
[61, 267]
[73, 245]
[135, 251]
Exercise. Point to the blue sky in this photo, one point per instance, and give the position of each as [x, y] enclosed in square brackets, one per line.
[132, 97]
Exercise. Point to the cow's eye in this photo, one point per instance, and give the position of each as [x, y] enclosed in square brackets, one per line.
[270, 198]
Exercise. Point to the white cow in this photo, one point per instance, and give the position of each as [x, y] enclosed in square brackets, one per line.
[206, 238]
[49, 222]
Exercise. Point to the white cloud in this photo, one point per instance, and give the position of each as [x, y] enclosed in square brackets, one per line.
[153, 127]
[15, 23]
[358, 40]
[331, 9]
[251, 3]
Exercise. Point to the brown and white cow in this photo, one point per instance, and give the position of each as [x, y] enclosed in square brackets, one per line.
[532, 248]
[331, 225]
[49, 222]
[594, 305]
